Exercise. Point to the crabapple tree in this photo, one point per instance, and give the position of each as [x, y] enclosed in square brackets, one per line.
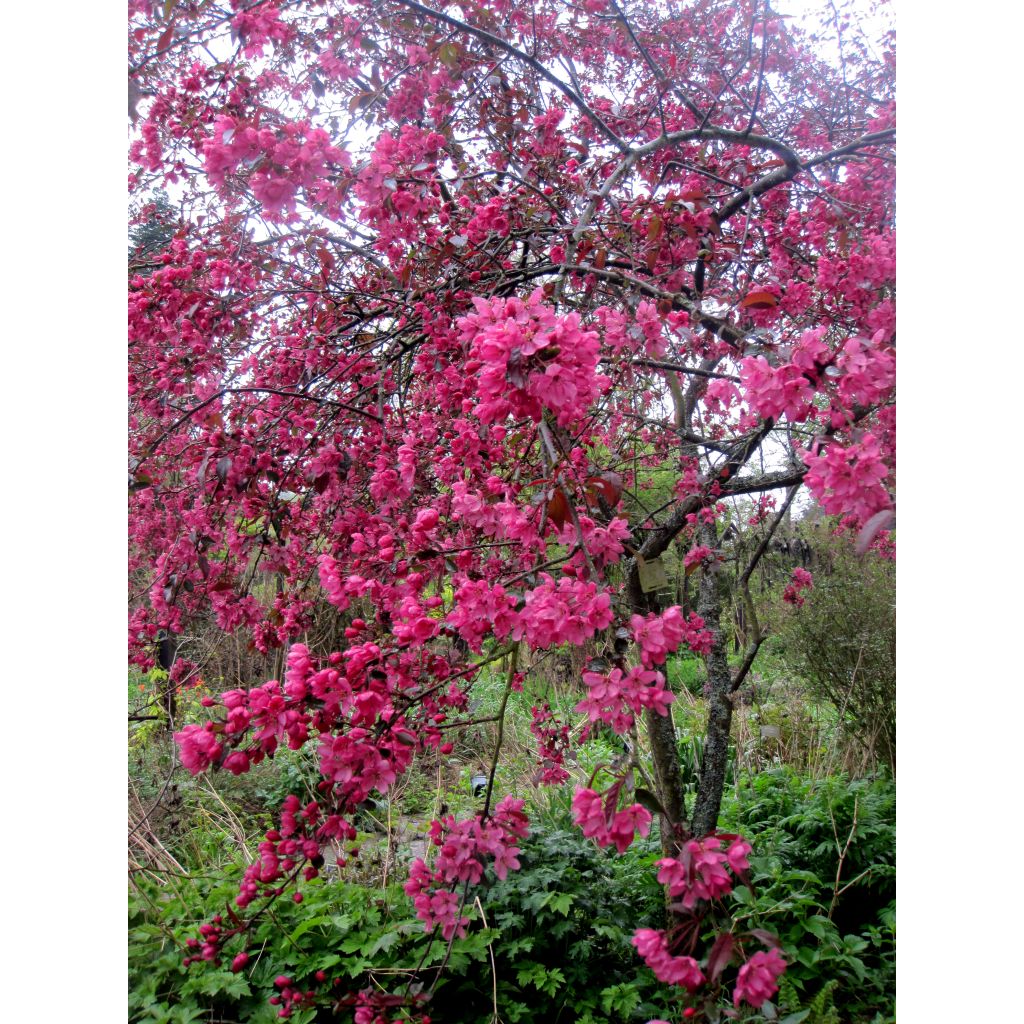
[445, 283]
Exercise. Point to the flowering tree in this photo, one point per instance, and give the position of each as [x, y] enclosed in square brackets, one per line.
[444, 285]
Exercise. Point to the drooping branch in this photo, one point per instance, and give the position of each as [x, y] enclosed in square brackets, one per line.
[743, 583]
[492, 40]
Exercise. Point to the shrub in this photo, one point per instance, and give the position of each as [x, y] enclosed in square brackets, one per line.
[843, 642]
[824, 881]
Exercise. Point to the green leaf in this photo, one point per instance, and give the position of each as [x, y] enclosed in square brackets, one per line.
[620, 1000]
[383, 941]
[561, 902]
[807, 956]
[818, 925]
[305, 926]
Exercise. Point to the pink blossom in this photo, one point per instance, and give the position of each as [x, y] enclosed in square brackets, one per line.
[464, 849]
[660, 635]
[699, 872]
[530, 358]
[697, 556]
[590, 815]
[801, 580]
[616, 697]
[757, 978]
[737, 856]
[772, 392]
[850, 480]
[673, 970]
[199, 748]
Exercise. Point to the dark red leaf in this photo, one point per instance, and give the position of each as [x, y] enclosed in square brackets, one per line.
[165, 37]
[326, 260]
[223, 468]
[720, 955]
[768, 938]
[759, 300]
[516, 371]
[609, 483]
[558, 509]
[611, 801]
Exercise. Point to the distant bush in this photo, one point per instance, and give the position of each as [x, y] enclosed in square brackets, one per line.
[843, 641]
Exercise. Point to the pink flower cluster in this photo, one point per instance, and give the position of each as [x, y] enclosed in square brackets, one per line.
[756, 983]
[697, 556]
[257, 25]
[850, 480]
[464, 847]
[199, 747]
[358, 762]
[699, 872]
[284, 850]
[480, 608]
[673, 970]
[649, 322]
[609, 827]
[765, 503]
[568, 612]
[770, 392]
[603, 543]
[488, 217]
[392, 204]
[800, 580]
[869, 371]
[294, 156]
[530, 358]
[758, 977]
[659, 635]
[615, 697]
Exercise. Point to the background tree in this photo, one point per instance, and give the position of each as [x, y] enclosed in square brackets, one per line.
[449, 286]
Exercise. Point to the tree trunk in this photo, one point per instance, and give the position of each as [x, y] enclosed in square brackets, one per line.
[715, 760]
[668, 779]
[168, 653]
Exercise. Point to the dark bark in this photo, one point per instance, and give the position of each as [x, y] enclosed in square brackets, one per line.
[668, 780]
[661, 731]
[168, 652]
[715, 761]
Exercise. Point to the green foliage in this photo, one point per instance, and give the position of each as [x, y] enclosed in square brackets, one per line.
[831, 930]
[346, 930]
[562, 927]
[559, 933]
[843, 641]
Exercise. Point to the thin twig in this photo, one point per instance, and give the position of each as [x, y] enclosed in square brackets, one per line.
[513, 661]
[842, 854]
